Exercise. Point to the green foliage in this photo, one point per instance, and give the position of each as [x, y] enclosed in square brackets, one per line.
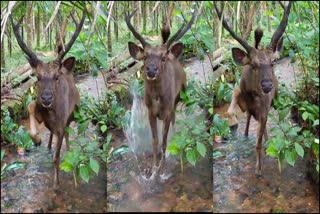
[82, 160]
[13, 133]
[8, 127]
[288, 140]
[90, 58]
[220, 127]
[197, 94]
[106, 112]
[191, 142]
[222, 91]
[23, 138]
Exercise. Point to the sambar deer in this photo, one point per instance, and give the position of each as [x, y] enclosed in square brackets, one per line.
[57, 94]
[258, 83]
[164, 78]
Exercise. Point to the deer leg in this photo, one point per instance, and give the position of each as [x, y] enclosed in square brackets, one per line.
[164, 140]
[246, 132]
[50, 141]
[33, 127]
[153, 125]
[260, 131]
[231, 113]
[56, 161]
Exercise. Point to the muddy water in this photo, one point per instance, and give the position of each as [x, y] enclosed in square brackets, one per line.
[235, 186]
[29, 189]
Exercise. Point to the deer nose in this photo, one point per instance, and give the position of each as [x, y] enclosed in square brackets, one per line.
[152, 70]
[47, 98]
[266, 86]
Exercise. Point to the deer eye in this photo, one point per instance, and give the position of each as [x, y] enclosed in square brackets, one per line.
[163, 59]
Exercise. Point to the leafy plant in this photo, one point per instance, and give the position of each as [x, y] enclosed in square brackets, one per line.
[288, 140]
[23, 138]
[82, 160]
[191, 142]
[220, 126]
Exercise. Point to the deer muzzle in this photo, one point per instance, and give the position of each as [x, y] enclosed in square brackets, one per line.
[46, 99]
[266, 86]
[152, 72]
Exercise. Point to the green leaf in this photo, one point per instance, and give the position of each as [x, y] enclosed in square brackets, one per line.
[173, 149]
[271, 151]
[201, 149]
[305, 115]
[290, 157]
[94, 165]
[191, 157]
[69, 130]
[103, 128]
[299, 149]
[83, 126]
[66, 166]
[84, 173]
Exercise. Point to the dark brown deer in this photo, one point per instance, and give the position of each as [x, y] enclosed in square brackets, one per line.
[164, 78]
[258, 83]
[57, 95]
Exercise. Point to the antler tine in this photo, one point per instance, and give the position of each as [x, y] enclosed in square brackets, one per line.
[182, 30]
[32, 57]
[134, 32]
[74, 36]
[226, 26]
[281, 28]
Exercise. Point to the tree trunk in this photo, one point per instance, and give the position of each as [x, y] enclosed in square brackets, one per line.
[9, 41]
[3, 59]
[109, 41]
[249, 20]
[136, 16]
[144, 18]
[29, 24]
[115, 22]
[38, 27]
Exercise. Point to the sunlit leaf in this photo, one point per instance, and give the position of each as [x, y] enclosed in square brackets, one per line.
[299, 149]
[201, 149]
[84, 173]
[94, 165]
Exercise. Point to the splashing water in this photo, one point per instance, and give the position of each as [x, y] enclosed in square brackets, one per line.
[139, 137]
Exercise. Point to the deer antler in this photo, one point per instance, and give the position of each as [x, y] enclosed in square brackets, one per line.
[236, 37]
[182, 30]
[74, 36]
[32, 57]
[134, 32]
[281, 28]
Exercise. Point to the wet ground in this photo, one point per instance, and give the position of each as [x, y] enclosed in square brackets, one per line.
[237, 189]
[29, 189]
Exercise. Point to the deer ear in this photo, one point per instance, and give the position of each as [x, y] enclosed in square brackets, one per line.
[69, 63]
[239, 56]
[177, 49]
[135, 51]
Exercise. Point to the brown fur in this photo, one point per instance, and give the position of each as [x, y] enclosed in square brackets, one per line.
[58, 116]
[57, 95]
[258, 83]
[250, 97]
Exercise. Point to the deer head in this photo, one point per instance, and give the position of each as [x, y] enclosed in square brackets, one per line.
[260, 60]
[155, 57]
[49, 74]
